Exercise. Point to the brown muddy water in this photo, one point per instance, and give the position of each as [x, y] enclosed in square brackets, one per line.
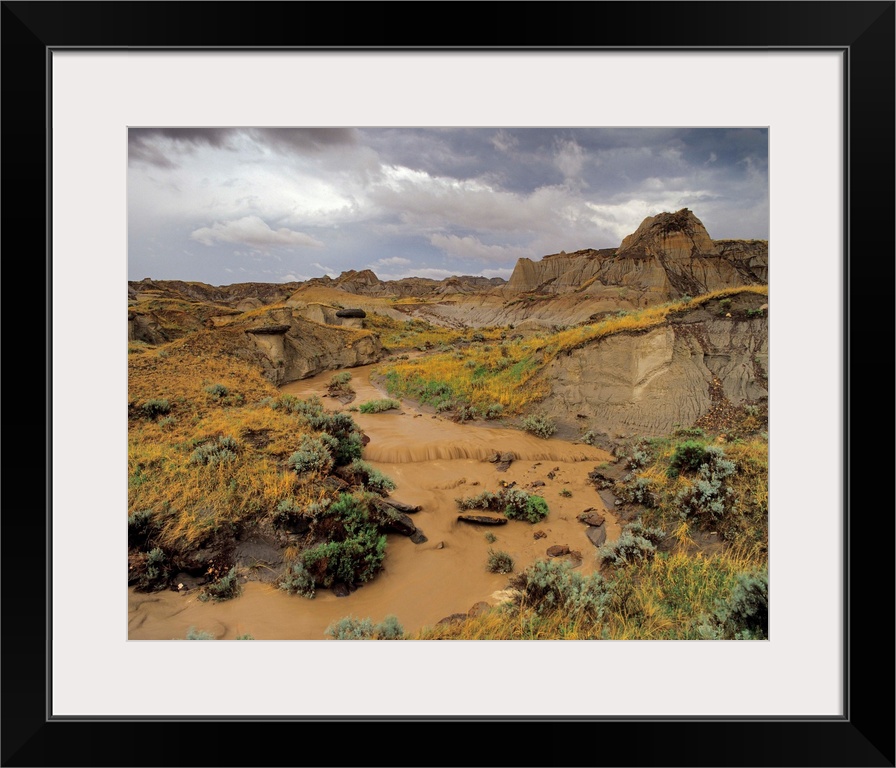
[433, 461]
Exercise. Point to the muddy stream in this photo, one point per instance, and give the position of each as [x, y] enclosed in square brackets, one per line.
[433, 461]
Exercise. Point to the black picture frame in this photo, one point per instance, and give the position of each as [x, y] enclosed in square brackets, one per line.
[864, 736]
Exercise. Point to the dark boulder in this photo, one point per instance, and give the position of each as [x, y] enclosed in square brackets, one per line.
[408, 509]
[351, 313]
[482, 519]
[597, 535]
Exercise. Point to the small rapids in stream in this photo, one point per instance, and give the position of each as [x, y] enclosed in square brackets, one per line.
[433, 462]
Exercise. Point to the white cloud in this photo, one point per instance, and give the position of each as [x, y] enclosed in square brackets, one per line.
[569, 157]
[471, 248]
[254, 232]
[392, 261]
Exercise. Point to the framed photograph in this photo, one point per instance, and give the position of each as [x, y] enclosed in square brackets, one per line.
[816, 76]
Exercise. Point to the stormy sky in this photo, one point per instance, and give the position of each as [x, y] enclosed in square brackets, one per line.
[231, 205]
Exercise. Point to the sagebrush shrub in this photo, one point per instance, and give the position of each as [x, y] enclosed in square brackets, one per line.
[494, 411]
[350, 628]
[499, 562]
[373, 479]
[389, 629]
[638, 490]
[217, 390]
[465, 412]
[378, 406]
[744, 615]
[709, 498]
[156, 407]
[314, 455]
[539, 424]
[155, 572]
[551, 585]
[631, 546]
[199, 634]
[225, 588]
[298, 581]
[339, 380]
[216, 451]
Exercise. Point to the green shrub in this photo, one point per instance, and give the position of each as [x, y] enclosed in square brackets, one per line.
[388, 629]
[639, 459]
[551, 585]
[314, 455]
[298, 581]
[689, 432]
[539, 425]
[355, 548]
[246, 636]
[217, 451]
[339, 380]
[217, 390]
[373, 479]
[631, 546]
[687, 457]
[590, 438]
[637, 490]
[465, 412]
[744, 616]
[494, 411]
[225, 588]
[524, 506]
[378, 406]
[199, 634]
[515, 503]
[154, 408]
[709, 498]
[490, 537]
[499, 562]
[155, 571]
[565, 492]
[350, 628]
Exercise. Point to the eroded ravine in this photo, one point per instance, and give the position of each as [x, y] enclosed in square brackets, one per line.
[433, 461]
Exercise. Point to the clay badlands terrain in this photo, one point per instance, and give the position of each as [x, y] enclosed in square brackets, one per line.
[579, 452]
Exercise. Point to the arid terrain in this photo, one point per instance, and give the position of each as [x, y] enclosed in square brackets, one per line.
[577, 452]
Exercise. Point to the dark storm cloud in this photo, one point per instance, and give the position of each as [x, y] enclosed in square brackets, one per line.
[305, 139]
[424, 201]
[162, 146]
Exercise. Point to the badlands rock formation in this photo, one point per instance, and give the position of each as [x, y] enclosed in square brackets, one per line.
[651, 382]
[669, 255]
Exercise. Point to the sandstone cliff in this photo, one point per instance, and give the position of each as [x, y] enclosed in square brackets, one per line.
[668, 256]
[650, 382]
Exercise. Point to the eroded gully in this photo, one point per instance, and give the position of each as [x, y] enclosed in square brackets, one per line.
[433, 462]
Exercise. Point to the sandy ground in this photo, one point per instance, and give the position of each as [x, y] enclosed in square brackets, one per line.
[433, 462]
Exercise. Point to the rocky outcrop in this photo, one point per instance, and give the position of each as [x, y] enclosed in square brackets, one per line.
[668, 256]
[239, 295]
[366, 283]
[557, 273]
[748, 257]
[292, 347]
[651, 382]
